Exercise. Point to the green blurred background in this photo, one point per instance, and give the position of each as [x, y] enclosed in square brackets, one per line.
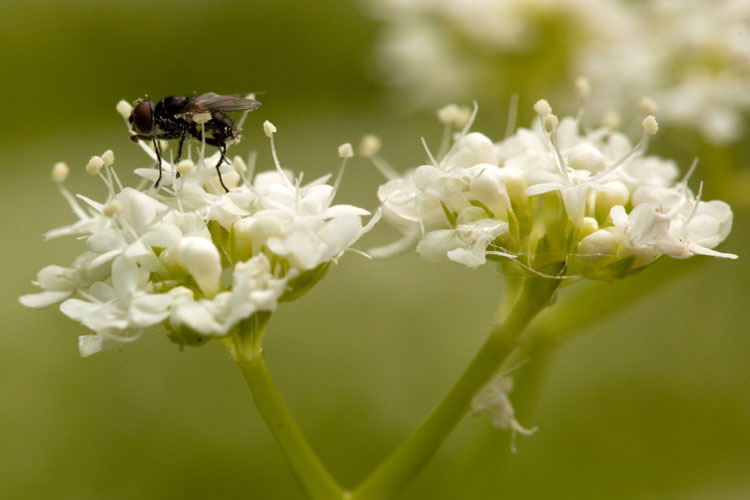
[651, 403]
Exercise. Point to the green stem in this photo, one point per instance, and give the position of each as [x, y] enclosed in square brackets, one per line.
[302, 460]
[414, 452]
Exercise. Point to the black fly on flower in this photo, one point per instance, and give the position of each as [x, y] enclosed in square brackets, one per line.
[178, 117]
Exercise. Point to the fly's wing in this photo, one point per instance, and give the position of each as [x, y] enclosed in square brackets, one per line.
[215, 102]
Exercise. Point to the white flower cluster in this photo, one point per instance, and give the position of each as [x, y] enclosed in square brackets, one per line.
[690, 56]
[190, 256]
[552, 193]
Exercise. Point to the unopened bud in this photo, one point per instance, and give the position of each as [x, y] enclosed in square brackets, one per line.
[203, 262]
[600, 243]
[588, 226]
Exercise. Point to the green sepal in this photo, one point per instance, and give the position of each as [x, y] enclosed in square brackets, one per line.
[451, 216]
[185, 336]
[220, 238]
[477, 203]
[299, 285]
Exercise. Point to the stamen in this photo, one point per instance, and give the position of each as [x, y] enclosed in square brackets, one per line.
[471, 119]
[510, 124]
[111, 209]
[550, 126]
[429, 153]
[60, 172]
[542, 108]
[94, 165]
[648, 106]
[269, 129]
[108, 157]
[369, 147]
[445, 140]
[583, 88]
[345, 152]
[124, 108]
[252, 157]
[650, 125]
[689, 173]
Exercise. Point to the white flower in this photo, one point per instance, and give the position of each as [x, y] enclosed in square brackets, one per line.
[591, 199]
[691, 58]
[191, 257]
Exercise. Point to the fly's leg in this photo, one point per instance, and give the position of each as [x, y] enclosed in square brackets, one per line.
[222, 150]
[158, 158]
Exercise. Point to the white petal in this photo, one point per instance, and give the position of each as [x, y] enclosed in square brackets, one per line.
[91, 344]
[44, 299]
[149, 310]
[106, 240]
[56, 278]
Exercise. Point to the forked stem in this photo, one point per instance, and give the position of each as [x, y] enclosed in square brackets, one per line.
[414, 452]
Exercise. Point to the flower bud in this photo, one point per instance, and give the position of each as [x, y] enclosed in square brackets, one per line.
[600, 243]
[203, 261]
[614, 193]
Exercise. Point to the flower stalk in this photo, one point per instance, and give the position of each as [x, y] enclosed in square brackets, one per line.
[313, 477]
[409, 457]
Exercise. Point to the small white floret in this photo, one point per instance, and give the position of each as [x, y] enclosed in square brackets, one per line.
[346, 151]
[650, 125]
[269, 128]
[94, 165]
[60, 171]
[542, 108]
[124, 108]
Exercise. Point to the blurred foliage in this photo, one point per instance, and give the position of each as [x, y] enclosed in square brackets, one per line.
[653, 403]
